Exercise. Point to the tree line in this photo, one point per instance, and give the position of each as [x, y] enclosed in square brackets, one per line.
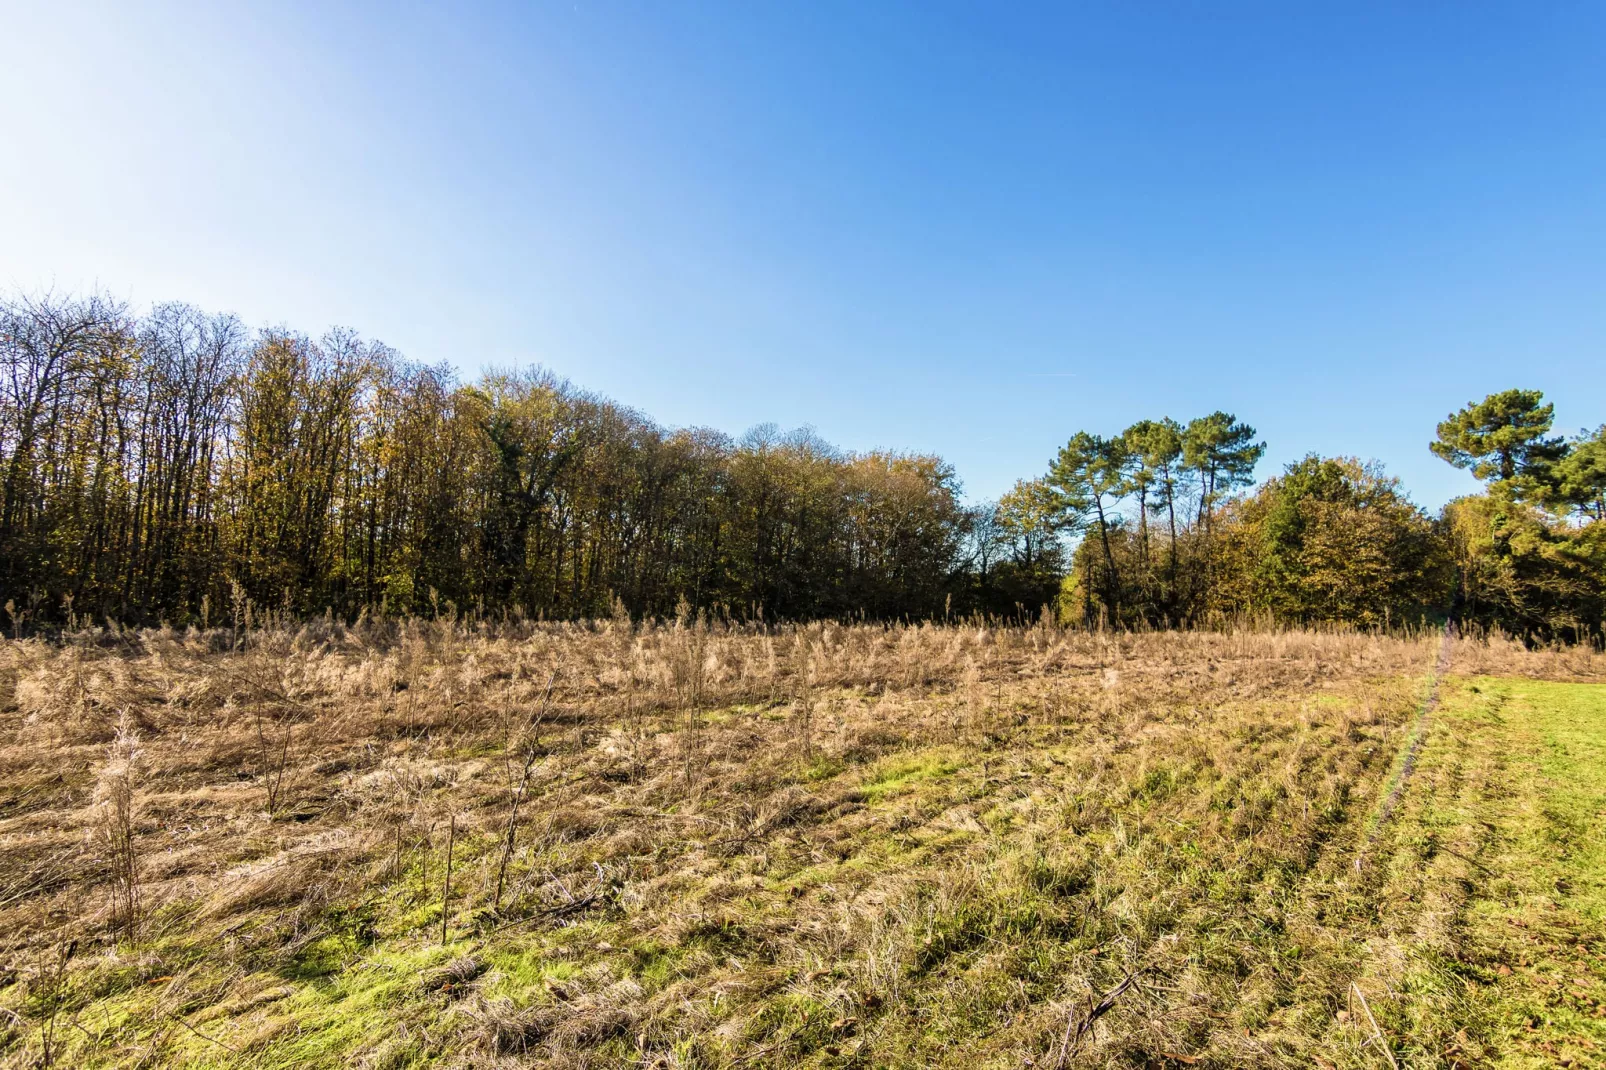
[1165, 540]
[174, 465]
[167, 466]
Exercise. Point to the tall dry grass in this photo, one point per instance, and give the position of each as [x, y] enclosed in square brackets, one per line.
[254, 782]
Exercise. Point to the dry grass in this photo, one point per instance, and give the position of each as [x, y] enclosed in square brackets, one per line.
[700, 845]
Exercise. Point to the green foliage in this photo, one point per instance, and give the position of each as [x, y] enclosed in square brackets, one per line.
[1089, 476]
[1223, 452]
[1157, 476]
[1154, 448]
[1330, 539]
[1089, 472]
[1520, 568]
[1029, 514]
[1502, 439]
[1525, 572]
[1015, 552]
[1160, 463]
[1337, 540]
[1580, 476]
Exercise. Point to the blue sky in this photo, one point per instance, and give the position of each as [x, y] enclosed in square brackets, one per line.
[969, 228]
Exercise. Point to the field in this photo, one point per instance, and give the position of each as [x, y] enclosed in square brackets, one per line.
[691, 845]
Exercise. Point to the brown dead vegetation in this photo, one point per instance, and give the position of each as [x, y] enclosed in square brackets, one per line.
[694, 844]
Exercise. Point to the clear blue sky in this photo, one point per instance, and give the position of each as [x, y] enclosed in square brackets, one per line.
[964, 228]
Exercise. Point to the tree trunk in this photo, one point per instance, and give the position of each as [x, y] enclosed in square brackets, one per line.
[1113, 586]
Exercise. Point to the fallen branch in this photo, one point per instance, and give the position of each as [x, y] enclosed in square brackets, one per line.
[573, 906]
[203, 1036]
[1377, 1034]
[551, 912]
[1077, 1027]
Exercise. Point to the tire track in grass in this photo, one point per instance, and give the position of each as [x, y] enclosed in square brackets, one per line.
[1413, 748]
[1488, 954]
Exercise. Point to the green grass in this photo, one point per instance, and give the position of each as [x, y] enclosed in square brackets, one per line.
[896, 776]
[1533, 971]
